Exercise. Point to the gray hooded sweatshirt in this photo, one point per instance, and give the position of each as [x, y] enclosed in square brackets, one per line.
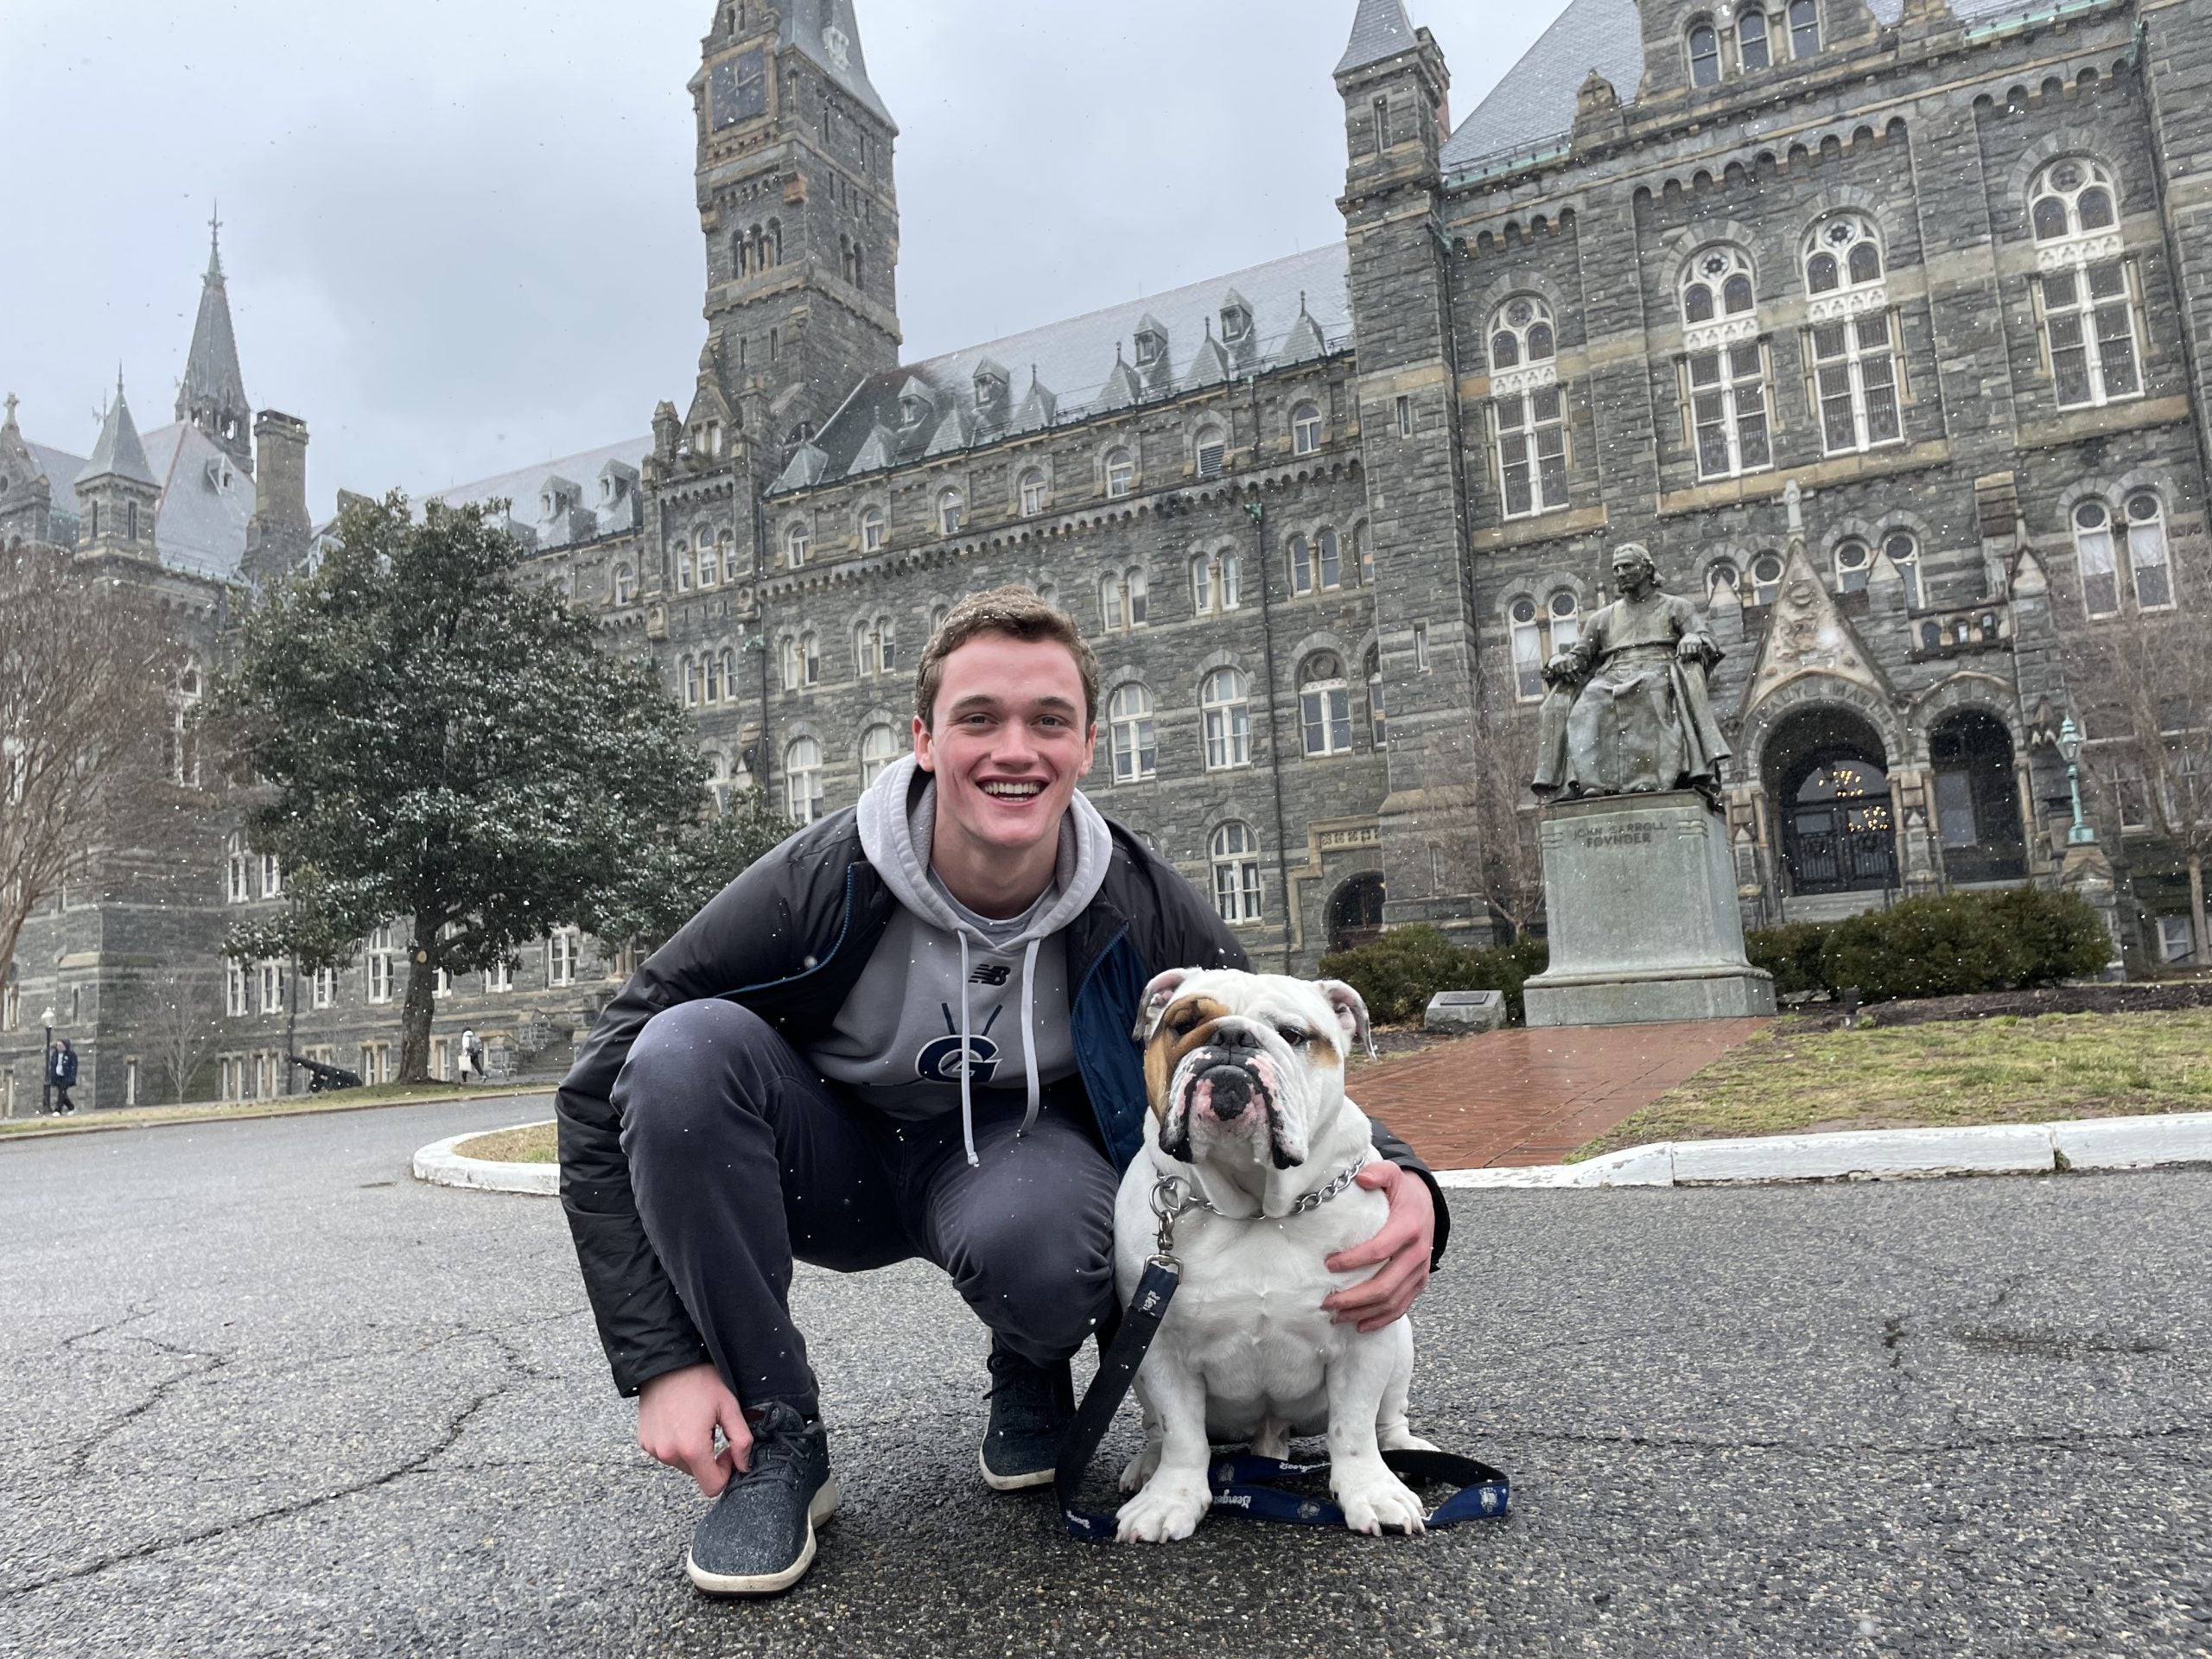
[952, 1002]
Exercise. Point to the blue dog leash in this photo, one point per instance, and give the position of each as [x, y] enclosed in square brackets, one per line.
[1242, 1484]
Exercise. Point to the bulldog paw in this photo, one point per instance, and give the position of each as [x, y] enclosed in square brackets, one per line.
[1403, 1438]
[1383, 1503]
[1138, 1470]
[1165, 1511]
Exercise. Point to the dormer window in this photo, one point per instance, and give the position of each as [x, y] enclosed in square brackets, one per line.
[545, 504]
[912, 410]
[990, 392]
[1152, 346]
[1235, 323]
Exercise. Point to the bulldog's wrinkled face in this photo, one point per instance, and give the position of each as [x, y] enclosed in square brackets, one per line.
[1243, 1067]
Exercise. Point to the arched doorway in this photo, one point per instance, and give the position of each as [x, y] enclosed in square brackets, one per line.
[1356, 912]
[1828, 778]
[1977, 805]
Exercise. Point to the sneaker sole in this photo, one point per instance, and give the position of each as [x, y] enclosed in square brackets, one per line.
[1027, 1482]
[827, 1496]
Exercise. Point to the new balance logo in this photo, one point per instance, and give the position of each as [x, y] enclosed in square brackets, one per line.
[991, 973]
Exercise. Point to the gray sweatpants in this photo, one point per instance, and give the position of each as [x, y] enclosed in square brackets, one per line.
[743, 1157]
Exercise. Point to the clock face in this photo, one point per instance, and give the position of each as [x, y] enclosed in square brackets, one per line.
[740, 85]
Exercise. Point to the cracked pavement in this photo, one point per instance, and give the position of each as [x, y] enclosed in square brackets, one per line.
[269, 1396]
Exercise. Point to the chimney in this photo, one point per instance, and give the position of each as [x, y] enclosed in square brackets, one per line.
[277, 540]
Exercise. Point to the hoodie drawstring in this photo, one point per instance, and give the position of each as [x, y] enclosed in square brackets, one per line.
[1029, 1032]
[1028, 1048]
[967, 1062]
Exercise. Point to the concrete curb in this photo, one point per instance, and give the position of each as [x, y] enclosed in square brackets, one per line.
[441, 1166]
[96, 1122]
[2180, 1140]
[2176, 1140]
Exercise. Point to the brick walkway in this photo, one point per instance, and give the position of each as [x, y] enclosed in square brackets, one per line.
[1529, 1096]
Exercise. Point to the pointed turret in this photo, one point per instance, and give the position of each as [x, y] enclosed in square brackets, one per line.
[26, 496]
[1381, 30]
[116, 493]
[828, 31]
[212, 397]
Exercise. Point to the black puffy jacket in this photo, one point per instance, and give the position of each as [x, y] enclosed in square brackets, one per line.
[788, 939]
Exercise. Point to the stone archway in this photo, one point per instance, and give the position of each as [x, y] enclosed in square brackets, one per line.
[1355, 916]
[1977, 800]
[1827, 773]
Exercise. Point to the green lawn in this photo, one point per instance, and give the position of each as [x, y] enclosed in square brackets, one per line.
[1797, 1079]
[532, 1144]
[85, 1121]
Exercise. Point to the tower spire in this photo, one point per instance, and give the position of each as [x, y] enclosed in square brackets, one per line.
[212, 396]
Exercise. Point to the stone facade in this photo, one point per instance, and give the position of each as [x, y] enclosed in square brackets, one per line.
[1886, 329]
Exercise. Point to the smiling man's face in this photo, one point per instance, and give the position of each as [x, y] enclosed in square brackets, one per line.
[1007, 743]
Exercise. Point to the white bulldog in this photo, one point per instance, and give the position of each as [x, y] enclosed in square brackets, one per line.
[1246, 1075]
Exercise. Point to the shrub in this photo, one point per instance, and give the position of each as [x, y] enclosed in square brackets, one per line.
[1398, 974]
[1792, 955]
[1961, 944]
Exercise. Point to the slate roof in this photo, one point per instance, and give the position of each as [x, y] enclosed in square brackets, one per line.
[1532, 106]
[1074, 365]
[119, 452]
[60, 469]
[210, 369]
[206, 502]
[1381, 30]
[591, 517]
[807, 25]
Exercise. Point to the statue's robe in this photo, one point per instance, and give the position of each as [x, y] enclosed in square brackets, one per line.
[1628, 712]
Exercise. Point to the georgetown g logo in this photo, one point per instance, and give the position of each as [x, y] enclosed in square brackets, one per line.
[940, 1061]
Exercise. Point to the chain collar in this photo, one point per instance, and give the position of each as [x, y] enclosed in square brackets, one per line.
[1173, 1197]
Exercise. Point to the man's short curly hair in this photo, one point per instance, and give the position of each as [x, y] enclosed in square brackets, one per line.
[1017, 612]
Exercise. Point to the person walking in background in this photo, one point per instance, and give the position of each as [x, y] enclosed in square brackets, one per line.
[64, 1077]
[470, 1068]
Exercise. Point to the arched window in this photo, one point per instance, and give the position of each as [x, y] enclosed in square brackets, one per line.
[937, 614]
[682, 553]
[873, 649]
[1306, 429]
[2089, 299]
[1903, 551]
[1130, 736]
[1753, 50]
[1113, 604]
[625, 584]
[1324, 705]
[1566, 612]
[1121, 472]
[1235, 854]
[716, 685]
[1854, 563]
[693, 682]
[1528, 413]
[872, 529]
[803, 779]
[1032, 494]
[182, 744]
[1374, 714]
[878, 748]
[718, 781]
[1301, 565]
[2147, 554]
[797, 540]
[1362, 551]
[1202, 585]
[1705, 53]
[1727, 365]
[1804, 29]
[1229, 569]
[951, 513]
[2094, 551]
[1328, 560]
[1766, 578]
[1854, 362]
[1528, 650]
[1723, 575]
[810, 651]
[1224, 707]
[1211, 450]
[1134, 585]
[790, 668]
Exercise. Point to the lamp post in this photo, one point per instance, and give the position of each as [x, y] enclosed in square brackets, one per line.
[2069, 747]
[45, 1076]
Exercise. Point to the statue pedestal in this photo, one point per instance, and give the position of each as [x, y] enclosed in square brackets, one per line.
[1640, 900]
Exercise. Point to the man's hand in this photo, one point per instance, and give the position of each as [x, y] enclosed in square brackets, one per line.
[1403, 1247]
[677, 1411]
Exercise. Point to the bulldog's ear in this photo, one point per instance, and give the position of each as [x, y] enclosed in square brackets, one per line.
[1157, 997]
[1351, 1013]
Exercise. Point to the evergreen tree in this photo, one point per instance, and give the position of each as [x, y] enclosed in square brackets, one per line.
[428, 732]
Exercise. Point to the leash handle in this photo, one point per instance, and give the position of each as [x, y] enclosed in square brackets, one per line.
[1117, 1370]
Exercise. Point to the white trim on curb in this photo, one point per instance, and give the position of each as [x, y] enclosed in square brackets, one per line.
[441, 1166]
[2177, 1139]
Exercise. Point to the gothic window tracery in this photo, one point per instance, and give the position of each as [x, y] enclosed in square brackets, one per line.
[1528, 407]
[1851, 341]
[1725, 371]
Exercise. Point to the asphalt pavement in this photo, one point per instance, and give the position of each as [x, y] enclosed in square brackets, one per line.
[268, 1396]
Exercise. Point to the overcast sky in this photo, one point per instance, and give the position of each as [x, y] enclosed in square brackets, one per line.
[460, 234]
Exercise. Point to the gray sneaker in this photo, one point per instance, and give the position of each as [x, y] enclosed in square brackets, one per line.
[1030, 1408]
[758, 1538]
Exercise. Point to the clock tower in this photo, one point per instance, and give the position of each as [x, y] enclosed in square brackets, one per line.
[801, 220]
